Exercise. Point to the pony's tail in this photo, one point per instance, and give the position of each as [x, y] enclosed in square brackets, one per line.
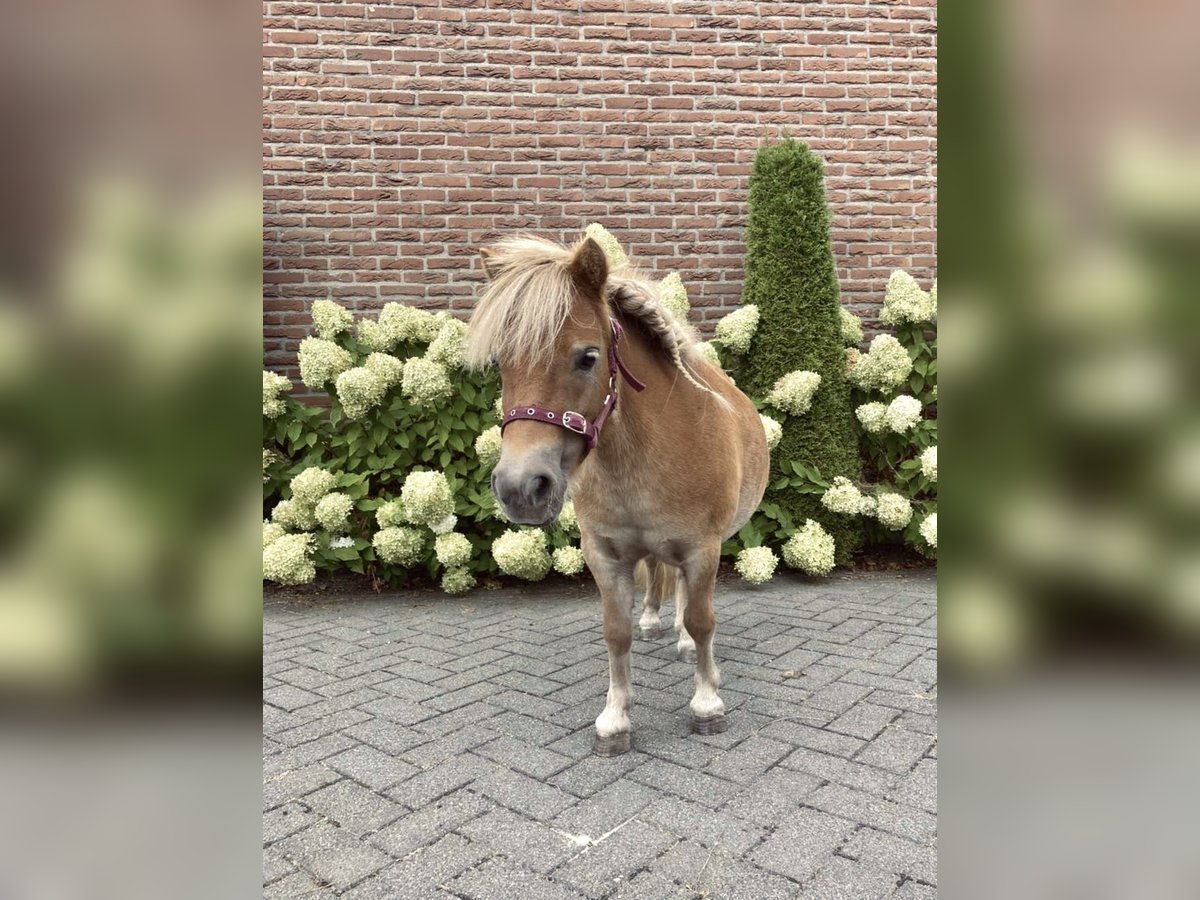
[657, 579]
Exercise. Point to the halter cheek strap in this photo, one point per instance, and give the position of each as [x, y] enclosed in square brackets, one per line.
[577, 422]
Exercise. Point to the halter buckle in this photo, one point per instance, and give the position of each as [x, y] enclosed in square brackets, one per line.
[569, 417]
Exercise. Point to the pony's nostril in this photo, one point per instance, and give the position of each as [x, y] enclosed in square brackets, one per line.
[538, 489]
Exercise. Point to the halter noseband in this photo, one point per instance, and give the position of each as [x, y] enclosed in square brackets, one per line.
[577, 422]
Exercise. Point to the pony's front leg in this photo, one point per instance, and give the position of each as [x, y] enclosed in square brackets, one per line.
[699, 576]
[615, 580]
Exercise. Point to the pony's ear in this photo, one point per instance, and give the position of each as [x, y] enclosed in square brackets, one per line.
[589, 268]
[491, 268]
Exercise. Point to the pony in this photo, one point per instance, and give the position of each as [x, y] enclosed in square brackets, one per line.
[662, 455]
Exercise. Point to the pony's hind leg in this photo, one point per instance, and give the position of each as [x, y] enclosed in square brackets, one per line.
[615, 580]
[699, 575]
[659, 581]
[685, 647]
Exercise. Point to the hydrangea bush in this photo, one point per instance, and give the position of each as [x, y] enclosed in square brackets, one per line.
[391, 478]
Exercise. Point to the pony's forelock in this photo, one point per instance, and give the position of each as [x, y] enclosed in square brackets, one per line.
[530, 295]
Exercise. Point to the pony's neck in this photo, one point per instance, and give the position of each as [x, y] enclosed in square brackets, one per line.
[628, 428]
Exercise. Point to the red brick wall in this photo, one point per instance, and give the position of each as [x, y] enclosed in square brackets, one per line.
[399, 137]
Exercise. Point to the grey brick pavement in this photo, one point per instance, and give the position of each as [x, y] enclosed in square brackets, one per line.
[422, 747]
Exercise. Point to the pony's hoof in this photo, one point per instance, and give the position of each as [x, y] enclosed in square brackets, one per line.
[653, 633]
[614, 745]
[687, 654]
[709, 724]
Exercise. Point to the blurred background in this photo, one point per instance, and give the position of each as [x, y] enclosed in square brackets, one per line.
[1070, 577]
[130, 338]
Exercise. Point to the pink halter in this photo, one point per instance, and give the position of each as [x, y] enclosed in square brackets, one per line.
[577, 422]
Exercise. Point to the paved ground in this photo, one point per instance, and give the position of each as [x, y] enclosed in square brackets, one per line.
[423, 747]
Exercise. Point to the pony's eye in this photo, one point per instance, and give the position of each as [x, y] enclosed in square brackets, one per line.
[588, 360]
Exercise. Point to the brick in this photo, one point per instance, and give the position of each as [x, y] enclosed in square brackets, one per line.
[802, 844]
[332, 855]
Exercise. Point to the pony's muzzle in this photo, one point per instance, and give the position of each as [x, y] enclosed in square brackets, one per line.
[530, 492]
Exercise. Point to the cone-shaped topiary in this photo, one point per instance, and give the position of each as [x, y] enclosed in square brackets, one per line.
[791, 278]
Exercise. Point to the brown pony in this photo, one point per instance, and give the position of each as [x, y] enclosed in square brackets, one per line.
[677, 467]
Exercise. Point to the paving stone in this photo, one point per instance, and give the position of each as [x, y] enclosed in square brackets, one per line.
[290, 698]
[354, 807]
[919, 787]
[439, 780]
[844, 879]
[711, 828]
[295, 783]
[298, 884]
[332, 855]
[894, 854]
[418, 875]
[524, 757]
[841, 771]
[371, 767]
[275, 866]
[500, 879]
[685, 783]
[707, 872]
[867, 809]
[772, 797]
[535, 846]
[863, 720]
[425, 825]
[606, 809]
[285, 820]
[601, 868]
[651, 886]
[802, 844]
[524, 794]
[895, 749]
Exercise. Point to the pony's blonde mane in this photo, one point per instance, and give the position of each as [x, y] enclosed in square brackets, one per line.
[529, 297]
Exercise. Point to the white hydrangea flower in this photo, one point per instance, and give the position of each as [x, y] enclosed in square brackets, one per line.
[929, 530]
[773, 429]
[851, 326]
[883, 367]
[293, 514]
[398, 323]
[426, 498]
[341, 543]
[793, 392]
[737, 329]
[312, 484]
[390, 513]
[425, 382]
[893, 511]
[522, 554]
[273, 386]
[756, 564]
[933, 297]
[269, 457]
[272, 531]
[673, 295]
[613, 251]
[449, 345]
[903, 413]
[321, 361]
[333, 511]
[488, 445]
[452, 549]
[904, 301]
[810, 549]
[399, 546]
[843, 496]
[706, 350]
[330, 318]
[873, 417]
[566, 518]
[445, 526]
[389, 369]
[929, 463]
[568, 560]
[286, 560]
[457, 580]
[360, 390]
